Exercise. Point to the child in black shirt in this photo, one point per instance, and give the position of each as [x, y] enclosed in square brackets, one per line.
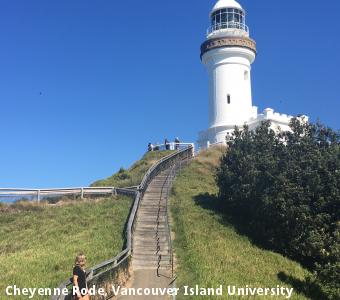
[79, 278]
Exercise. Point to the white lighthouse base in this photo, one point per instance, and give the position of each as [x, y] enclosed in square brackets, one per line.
[221, 134]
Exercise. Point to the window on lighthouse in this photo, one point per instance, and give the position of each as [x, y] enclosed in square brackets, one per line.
[246, 75]
[228, 99]
[228, 18]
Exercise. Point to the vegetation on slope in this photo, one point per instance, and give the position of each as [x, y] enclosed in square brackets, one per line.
[210, 248]
[38, 243]
[287, 190]
[134, 175]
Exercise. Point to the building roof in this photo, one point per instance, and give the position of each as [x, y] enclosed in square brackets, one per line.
[226, 4]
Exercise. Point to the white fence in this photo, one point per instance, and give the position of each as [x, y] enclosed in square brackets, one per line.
[39, 194]
[170, 146]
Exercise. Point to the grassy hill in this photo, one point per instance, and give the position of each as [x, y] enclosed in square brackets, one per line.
[211, 250]
[134, 175]
[38, 243]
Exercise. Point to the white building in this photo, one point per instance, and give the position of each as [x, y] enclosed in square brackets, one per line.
[228, 54]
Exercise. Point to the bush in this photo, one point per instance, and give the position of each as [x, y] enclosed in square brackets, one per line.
[287, 189]
[123, 174]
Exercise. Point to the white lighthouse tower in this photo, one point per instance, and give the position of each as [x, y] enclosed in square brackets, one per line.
[227, 54]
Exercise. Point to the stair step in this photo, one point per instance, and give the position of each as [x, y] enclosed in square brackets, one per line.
[154, 200]
[140, 223]
[151, 231]
[149, 239]
[151, 252]
[141, 264]
[150, 255]
[145, 225]
[147, 232]
[151, 209]
[161, 269]
[152, 218]
[150, 222]
[150, 243]
[163, 245]
[150, 262]
[155, 207]
[150, 213]
[156, 194]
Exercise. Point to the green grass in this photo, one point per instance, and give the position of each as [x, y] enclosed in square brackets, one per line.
[210, 251]
[134, 175]
[38, 243]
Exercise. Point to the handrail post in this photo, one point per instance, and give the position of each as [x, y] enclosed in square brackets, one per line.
[90, 276]
[38, 196]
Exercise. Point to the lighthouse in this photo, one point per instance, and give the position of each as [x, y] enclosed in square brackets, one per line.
[228, 54]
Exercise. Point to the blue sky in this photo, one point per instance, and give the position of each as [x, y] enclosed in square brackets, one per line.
[85, 85]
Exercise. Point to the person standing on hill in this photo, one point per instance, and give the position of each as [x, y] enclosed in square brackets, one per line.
[177, 141]
[150, 147]
[167, 144]
[80, 291]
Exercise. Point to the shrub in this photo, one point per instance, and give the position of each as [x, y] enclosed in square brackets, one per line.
[286, 187]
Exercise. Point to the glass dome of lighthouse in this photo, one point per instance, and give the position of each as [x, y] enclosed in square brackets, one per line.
[227, 18]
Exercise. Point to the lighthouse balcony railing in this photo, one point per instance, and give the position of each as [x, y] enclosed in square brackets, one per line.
[227, 25]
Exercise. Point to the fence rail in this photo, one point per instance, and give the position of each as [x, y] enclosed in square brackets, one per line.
[41, 194]
[170, 146]
[111, 271]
